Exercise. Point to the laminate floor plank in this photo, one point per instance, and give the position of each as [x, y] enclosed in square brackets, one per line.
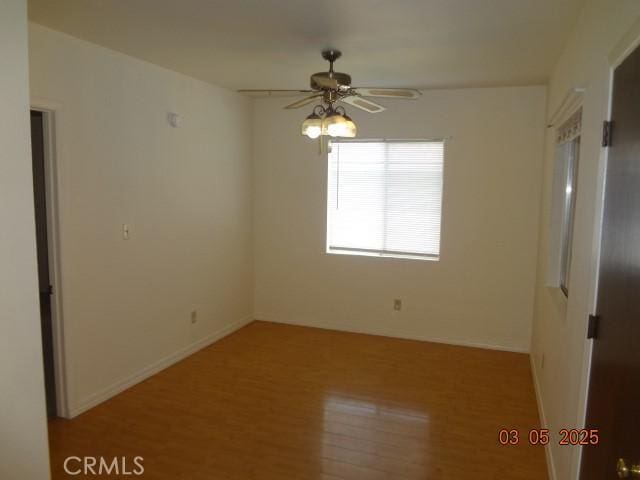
[275, 401]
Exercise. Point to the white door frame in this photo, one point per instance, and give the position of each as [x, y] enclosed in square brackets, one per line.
[50, 109]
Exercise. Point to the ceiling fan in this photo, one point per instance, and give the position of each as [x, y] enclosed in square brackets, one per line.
[329, 88]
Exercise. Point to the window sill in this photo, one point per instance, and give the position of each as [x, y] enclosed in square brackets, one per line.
[398, 255]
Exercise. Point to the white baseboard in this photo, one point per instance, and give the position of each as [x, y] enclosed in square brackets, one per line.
[551, 466]
[137, 377]
[398, 334]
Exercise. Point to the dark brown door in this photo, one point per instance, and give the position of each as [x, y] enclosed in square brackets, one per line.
[614, 390]
[40, 202]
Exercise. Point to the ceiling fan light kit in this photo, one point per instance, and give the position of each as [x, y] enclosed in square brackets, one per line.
[332, 121]
[331, 87]
[312, 125]
[338, 124]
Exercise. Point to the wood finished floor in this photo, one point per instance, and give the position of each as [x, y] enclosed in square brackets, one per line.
[284, 402]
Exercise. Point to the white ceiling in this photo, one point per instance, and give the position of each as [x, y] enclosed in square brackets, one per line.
[276, 43]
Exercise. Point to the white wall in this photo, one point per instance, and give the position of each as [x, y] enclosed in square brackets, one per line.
[23, 429]
[480, 292]
[559, 330]
[185, 192]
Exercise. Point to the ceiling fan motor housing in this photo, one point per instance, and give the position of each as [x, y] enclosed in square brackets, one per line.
[344, 80]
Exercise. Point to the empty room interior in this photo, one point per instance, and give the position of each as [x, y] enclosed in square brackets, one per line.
[320, 240]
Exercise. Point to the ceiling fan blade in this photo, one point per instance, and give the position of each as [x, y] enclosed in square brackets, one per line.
[273, 93]
[363, 104]
[303, 101]
[325, 82]
[406, 93]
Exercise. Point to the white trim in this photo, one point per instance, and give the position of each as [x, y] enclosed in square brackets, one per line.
[569, 104]
[146, 372]
[551, 466]
[587, 353]
[45, 104]
[398, 334]
[50, 109]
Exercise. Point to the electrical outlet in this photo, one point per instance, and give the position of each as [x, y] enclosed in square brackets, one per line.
[397, 304]
[194, 316]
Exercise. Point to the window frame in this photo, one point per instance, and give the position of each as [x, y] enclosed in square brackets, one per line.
[569, 213]
[566, 165]
[388, 254]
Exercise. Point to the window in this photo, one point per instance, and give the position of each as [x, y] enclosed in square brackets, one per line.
[384, 198]
[572, 151]
[563, 201]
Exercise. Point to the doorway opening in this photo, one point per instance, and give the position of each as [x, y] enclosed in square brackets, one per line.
[46, 247]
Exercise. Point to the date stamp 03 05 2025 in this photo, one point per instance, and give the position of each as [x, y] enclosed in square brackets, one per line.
[542, 436]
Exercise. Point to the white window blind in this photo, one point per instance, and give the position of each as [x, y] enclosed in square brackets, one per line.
[385, 198]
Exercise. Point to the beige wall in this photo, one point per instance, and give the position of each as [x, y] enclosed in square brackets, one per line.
[185, 192]
[559, 329]
[480, 292]
[23, 428]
